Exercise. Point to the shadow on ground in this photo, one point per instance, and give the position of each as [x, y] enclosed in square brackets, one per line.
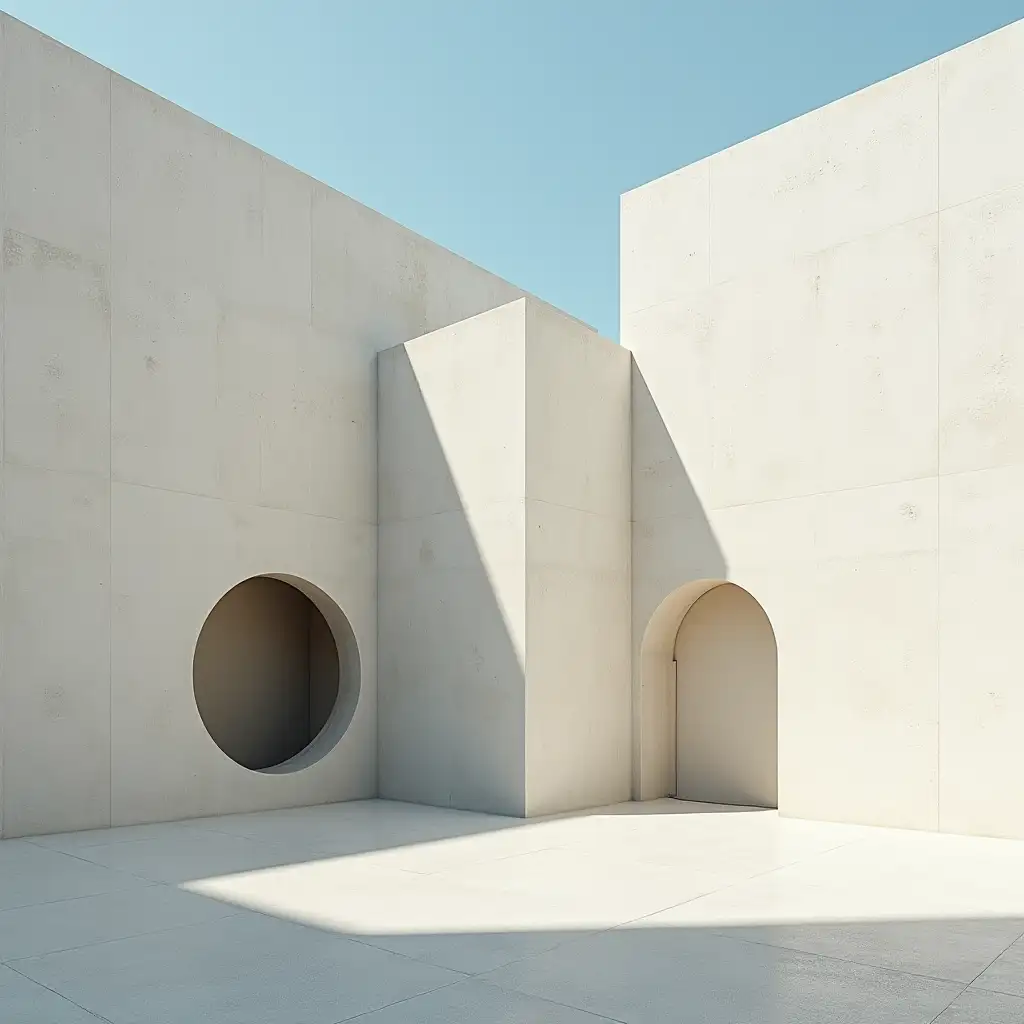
[641, 913]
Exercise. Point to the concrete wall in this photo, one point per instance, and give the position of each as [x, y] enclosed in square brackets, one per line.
[452, 597]
[827, 331]
[827, 323]
[504, 565]
[189, 399]
[577, 565]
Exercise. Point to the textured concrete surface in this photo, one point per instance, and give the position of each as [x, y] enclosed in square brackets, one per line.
[504, 565]
[827, 328]
[190, 331]
[214, 368]
[395, 913]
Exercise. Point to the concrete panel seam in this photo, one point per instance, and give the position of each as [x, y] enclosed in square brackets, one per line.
[458, 510]
[3, 404]
[802, 496]
[938, 456]
[110, 449]
[982, 197]
[791, 257]
[234, 501]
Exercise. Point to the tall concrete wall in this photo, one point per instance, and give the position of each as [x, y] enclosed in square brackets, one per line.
[577, 562]
[189, 399]
[504, 565]
[827, 323]
[827, 336]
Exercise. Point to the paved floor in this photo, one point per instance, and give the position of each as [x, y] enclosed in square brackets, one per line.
[393, 914]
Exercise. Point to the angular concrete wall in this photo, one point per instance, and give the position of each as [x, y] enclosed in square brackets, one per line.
[504, 565]
[827, 336]
[577, 565]
[189, 399]
[827, 324]
[452, 596]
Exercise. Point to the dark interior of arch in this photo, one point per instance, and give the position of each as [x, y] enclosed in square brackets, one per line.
[266, 673]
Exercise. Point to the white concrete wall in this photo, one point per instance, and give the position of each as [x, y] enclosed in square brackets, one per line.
[827, 323]
[189, 399]
[504, 565]
[577, 565]
[452, 596]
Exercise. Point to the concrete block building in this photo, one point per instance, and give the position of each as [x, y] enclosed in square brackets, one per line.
[298, 507]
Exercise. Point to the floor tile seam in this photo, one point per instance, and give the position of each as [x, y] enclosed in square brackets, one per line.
[358, 940]
[579, 936]
[187, 827]
[98, 864]
[149, 884]
[400, 1002]
[802, 859]
[586, 933]
[315, 854]
[948, 1005]
[211, 830]
[724, 888]
[824, 956]
[120, 938]
[995, 991]
[551, 1002]
[749, 878]
[38, 841]
[995, 958]
[499, 988]
[60, 995]
[497, 860]
[835, 959]
[83, 858]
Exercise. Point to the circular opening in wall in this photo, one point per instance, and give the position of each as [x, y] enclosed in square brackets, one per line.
[276, 674]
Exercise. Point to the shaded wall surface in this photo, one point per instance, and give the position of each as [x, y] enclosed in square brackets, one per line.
[504, 565]
[827, 323]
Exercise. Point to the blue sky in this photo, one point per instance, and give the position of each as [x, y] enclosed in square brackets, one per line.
[507, 130]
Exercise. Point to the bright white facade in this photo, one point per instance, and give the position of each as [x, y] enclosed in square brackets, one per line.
[827, 326]
[215, 368]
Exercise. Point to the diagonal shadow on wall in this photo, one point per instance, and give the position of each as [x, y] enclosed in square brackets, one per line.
[676, 559]
[451, 600]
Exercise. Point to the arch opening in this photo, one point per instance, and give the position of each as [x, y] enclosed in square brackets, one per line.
[706, 707]
[726, 701]
[275, 674]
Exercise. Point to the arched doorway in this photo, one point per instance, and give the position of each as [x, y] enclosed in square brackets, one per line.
[726, 669]
[705, 699]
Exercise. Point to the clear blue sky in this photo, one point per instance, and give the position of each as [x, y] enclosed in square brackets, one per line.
[506, 129]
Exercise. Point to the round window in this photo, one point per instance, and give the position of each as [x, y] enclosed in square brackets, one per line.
[275, 674]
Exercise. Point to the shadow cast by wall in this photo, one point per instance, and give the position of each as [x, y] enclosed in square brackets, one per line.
[548, 921]
[451, 662]
[676, 560]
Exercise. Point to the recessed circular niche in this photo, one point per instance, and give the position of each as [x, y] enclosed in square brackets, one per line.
[276, 674]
